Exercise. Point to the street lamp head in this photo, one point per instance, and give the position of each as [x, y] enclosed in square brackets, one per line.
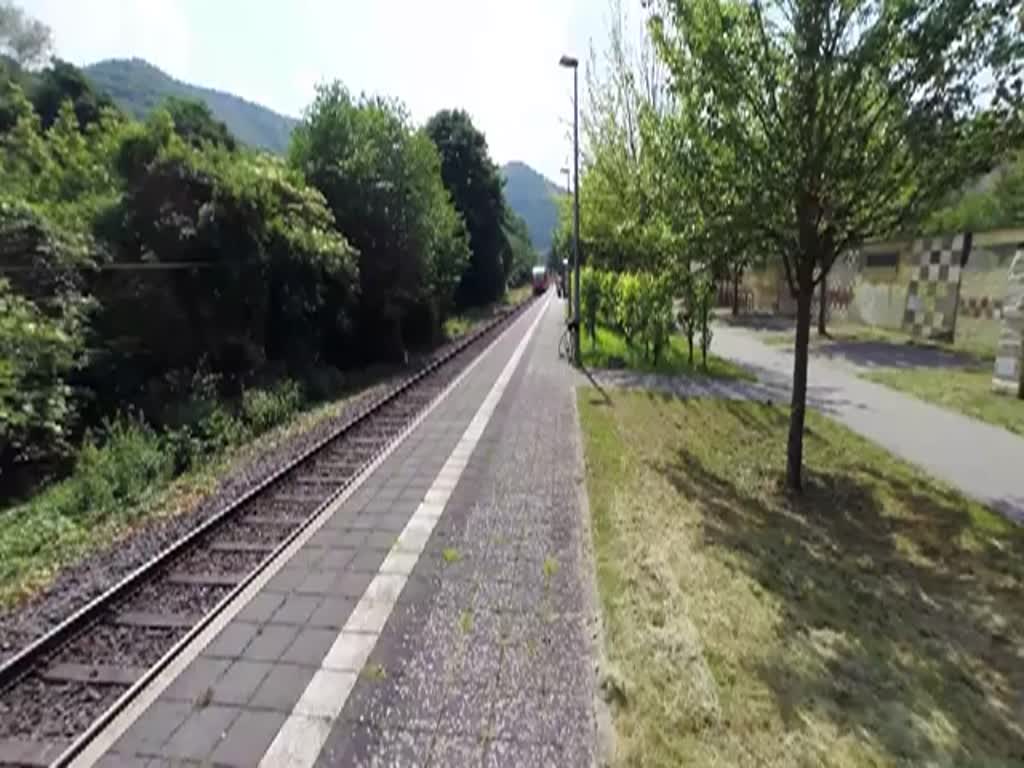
[568, 61]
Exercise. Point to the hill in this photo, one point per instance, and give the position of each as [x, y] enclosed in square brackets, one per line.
[532, 196]
[138, 87]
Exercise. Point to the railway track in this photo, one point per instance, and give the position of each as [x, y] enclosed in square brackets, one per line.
[60, 690]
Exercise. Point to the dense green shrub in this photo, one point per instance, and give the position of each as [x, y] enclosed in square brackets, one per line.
[590, 292]
[640, 306]
[628, 306]
[654, 325]
[608, 301]
[113, 474]
[264, 409]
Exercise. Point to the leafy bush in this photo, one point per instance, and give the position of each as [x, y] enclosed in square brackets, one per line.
[609, 286]
[37, 353]
[628, 306]
[654, 297]
[637, 305]
[590, 292]
[264, 409]
[114, 475]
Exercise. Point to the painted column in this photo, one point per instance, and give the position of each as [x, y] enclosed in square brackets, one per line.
[1009, 371]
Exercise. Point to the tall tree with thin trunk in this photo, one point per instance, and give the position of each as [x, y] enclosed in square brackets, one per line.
[850, 116]
[27, 41]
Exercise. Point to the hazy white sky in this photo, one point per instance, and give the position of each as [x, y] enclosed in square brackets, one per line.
[498, 59]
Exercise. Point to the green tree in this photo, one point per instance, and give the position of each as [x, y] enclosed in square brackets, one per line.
[62, 82]
[520, 256]
[850, 116]
[194, 123]
[1000, 205]
[475, 186]
[273, 279]
[382, 181]
[26, 41]
[38, 352]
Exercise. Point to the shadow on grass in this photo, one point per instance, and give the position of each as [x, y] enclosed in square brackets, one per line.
[605, 399]
[920, 605]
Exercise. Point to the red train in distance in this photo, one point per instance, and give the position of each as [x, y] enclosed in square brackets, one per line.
[540, 280]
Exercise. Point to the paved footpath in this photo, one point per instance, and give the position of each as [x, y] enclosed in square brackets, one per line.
[983, 461]
[437, 615]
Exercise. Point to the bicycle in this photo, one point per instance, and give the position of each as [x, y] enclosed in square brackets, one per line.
[565, 343]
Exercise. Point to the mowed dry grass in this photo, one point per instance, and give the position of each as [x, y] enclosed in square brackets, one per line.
[878, 620]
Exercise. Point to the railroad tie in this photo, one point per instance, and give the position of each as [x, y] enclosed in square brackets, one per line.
[206, 579]
[242, 547]
[94, 674]
[341, 467]
[157, 620]
[271, 520]
[289, 498]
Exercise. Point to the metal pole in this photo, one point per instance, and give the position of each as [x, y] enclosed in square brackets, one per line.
[567, 272]
[576, 207]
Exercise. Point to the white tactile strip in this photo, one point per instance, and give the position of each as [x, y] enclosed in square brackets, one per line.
[179, 658]
[301, 738]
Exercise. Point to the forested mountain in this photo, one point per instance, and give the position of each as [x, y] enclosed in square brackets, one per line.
[533, 197]
[138, 87]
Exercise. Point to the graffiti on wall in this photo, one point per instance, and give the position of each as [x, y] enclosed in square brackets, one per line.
[934, 290]
[873, 285]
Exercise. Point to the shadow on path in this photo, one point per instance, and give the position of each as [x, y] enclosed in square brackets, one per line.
[880, 354]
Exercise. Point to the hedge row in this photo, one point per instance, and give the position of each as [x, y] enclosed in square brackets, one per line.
[637, 305]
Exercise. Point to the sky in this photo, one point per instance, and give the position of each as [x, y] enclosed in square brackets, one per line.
[497, 59]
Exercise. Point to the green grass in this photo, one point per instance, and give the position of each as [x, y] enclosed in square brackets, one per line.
[873, 621]
[458, 325]
[612, 351]
[968, 391]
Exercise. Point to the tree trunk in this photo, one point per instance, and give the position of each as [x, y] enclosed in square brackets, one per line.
[798, 405]
[823, 307]
[736, 292]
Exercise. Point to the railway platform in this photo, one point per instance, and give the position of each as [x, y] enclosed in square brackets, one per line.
[438, 613]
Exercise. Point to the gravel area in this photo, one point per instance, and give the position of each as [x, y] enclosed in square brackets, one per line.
[128, 646]
[87, 579]
[47, 712]
[238, 531]
[174, 598]
[209, 561]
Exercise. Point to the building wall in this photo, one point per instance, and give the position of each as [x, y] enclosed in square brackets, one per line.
[871, 285]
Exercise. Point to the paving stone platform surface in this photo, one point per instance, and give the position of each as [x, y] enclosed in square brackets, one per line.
[438, 617]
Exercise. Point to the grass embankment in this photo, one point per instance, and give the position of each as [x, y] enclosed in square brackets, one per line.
[132, 474]
[611, 351]
[874, 621]
[968, 391]
[457, 325]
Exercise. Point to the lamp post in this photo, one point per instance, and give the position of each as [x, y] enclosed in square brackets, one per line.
[566, 274]
[570, 63]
